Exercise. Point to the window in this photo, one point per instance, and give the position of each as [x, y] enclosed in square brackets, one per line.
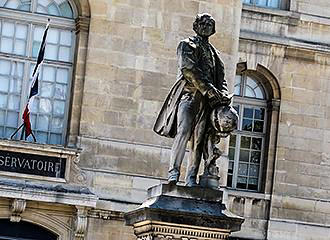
[264, 3]
[246, 147]
[22, 23]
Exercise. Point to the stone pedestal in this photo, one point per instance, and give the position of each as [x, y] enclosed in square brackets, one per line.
[183, 213]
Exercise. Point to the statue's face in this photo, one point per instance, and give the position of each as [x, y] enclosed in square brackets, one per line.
[205, 27]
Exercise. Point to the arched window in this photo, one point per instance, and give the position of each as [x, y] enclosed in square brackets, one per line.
[247, 143]
[22, 23]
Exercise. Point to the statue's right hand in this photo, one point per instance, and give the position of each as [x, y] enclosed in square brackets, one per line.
[215, 93]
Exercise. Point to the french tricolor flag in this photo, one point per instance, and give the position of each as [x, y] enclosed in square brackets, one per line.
[34, 89]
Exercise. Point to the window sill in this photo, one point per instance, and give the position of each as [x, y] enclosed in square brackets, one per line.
[270, 11]
[248, 194]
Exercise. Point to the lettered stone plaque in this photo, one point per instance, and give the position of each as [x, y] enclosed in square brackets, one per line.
[32, 164]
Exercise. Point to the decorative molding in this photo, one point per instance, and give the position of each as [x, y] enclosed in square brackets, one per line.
[157, 230]
[106, 214]
[77, 175]
[17, 208]
[82, 24]
[81, 223]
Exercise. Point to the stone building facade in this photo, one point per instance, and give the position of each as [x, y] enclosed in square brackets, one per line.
[119, 57]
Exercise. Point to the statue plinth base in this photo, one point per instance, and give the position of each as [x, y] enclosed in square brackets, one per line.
[178, 212]
[209, 181]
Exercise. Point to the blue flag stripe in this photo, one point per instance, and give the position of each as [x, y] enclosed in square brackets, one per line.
[41, 55]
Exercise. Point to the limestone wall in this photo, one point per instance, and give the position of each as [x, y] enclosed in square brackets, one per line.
[295, 48]
[317, 8]
[131, 65]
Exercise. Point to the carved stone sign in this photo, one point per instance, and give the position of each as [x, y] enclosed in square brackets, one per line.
[32, 164]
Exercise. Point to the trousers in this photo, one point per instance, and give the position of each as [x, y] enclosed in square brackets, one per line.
[191, 125]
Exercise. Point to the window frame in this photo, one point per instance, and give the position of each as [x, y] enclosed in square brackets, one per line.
[243, 101]
[282, 5]
[33, 19]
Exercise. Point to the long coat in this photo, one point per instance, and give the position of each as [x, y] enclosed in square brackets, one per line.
[189, 56]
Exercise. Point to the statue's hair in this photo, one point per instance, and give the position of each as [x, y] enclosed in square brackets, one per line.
[200, 17]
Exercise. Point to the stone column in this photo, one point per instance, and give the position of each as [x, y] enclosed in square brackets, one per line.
[183, 213]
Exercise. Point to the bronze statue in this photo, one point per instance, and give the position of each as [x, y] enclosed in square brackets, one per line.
[185, 115]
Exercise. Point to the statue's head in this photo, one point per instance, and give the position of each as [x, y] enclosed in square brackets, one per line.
[204, 25]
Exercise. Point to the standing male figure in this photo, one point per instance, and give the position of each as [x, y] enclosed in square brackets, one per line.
[186, 111]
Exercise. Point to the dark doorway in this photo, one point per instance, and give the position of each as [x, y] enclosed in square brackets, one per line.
[24, 231]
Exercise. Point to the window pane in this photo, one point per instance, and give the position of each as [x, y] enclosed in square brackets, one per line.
[259, 113]
[35, 49]
[244, 155]
[51, 52]
[232, 141]
[258, 126]
[273, 3]
[57, 125]
[238, 80]
[42, 123]
[249, 92]
[46, 89]
[12, 119]
[34, 106]
[4, 67]
[21, 31]
[33, 120]
[241, 182]
[231, 153]
[56, 8]
[41, 137]
[8, 29]
[9, 132]
[64, 54]
[3, 100]
[66, 10]
[13, 102]
[60, 92]
[62, 75]
[66, 37]
[48, 73]
[248, 112]
[19, 47]
[255, 157]
[231, 167]
[2, 118]
[7, 45]
[229, 180]
[16, 4]
[253, 184]
[254, 170]
[37, 34]
[243, 169]
[247, 125]
[259, 94]
[52, 10]
[55, 139]
[45, 106]
[59, 107]
[53, 36]
[245, 142]
[261, 3]
[4, 84]
[256, 143]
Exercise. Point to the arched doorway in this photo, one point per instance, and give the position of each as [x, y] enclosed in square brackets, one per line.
[24, 231]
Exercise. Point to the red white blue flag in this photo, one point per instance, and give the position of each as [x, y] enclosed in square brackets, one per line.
[34, 89]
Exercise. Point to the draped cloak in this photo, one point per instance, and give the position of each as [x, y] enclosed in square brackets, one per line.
[190, 56]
